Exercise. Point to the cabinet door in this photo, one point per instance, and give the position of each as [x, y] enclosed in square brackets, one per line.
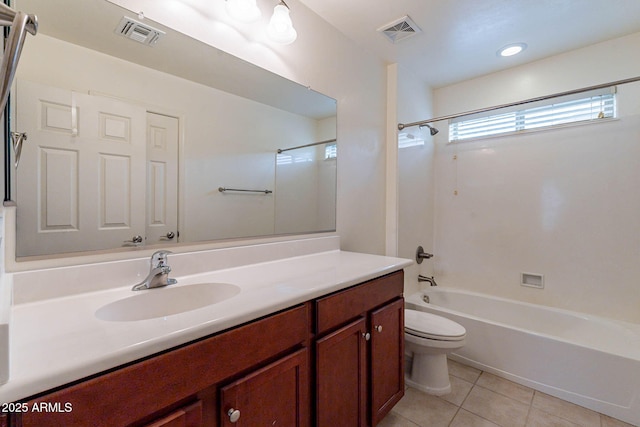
[341, 380]
[387, 358]
[189, 416]
[276, 395]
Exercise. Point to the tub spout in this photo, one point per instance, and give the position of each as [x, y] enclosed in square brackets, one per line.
[431, 280]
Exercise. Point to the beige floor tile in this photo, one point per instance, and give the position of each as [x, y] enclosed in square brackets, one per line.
[506, 387]
[424, 409]
[538, 418]
[395, 420]
[467, 419]
[480, 399]
[552, 405]
[612, 422]
[465, 372]
[495, 407]
[459, 390]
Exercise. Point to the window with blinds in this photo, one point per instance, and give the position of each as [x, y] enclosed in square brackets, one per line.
[330, 151]
[582, 107]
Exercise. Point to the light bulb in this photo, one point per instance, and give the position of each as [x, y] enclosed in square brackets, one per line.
[243, 10]
[280, 28]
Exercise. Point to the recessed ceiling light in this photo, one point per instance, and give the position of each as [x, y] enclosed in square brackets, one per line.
[512, 49]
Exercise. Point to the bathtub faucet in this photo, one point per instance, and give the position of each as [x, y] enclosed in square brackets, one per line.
[431, 280]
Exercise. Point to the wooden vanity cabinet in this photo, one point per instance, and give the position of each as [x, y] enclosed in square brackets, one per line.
[360, 353]
[343, 351]
[182, 387]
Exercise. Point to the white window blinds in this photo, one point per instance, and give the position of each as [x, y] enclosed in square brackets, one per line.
[330, 151]
[586, 106]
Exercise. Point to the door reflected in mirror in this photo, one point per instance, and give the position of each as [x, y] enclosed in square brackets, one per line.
[128, 142]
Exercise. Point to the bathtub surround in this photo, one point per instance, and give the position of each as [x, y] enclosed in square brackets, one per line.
[561, 203]
[590, 361]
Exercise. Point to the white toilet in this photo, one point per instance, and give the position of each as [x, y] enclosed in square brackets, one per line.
[429, 338]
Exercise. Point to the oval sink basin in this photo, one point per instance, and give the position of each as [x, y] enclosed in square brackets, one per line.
[161, 302]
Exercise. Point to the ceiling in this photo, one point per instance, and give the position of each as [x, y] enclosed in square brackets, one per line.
[460, 38]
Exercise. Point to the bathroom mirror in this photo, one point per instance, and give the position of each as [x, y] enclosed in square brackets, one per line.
[140, 135]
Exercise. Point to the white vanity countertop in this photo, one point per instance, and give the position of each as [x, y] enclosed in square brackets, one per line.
[59, 340]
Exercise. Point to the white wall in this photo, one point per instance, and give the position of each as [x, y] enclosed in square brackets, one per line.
[415, 179]
[328, 62]
[563, 203]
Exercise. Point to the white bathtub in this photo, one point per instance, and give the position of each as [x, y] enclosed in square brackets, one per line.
[588, 360]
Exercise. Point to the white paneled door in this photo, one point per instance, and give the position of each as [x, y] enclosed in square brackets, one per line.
[81, 180]
[162, 179]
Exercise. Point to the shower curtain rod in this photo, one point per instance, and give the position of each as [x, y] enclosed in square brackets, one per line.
[280, 150]
[526, 101]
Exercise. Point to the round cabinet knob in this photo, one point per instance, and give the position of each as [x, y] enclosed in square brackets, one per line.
[234, 415]
[170, 235]
[367, 336]
[379, 328]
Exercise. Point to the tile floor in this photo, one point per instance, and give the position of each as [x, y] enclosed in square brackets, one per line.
[480, 399]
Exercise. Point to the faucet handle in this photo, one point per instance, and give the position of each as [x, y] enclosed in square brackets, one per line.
[421, 254]
[159, 258]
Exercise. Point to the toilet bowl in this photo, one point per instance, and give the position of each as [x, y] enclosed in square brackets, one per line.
[428, 339]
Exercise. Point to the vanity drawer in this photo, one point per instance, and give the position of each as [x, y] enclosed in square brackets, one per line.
[340, 307]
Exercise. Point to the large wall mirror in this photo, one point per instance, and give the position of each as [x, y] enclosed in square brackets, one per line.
[139, 135]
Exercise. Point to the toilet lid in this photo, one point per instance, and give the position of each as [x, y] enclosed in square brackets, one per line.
[427, 325]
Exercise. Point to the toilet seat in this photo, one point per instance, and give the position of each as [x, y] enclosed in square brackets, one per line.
[431, 326]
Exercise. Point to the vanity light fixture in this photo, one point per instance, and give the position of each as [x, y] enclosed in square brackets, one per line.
[280, 28]
[512, 49]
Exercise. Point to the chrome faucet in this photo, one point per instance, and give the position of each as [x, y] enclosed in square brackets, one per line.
[431, 280]
[159, 273]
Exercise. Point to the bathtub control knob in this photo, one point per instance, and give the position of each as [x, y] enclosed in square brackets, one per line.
[421, 255]
[234, 415]
[379, 328]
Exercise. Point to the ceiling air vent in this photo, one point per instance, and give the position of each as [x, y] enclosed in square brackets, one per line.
[142, 33]
[400, 29]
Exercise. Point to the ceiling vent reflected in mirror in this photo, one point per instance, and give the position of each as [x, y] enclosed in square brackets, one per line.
[400, 29]
[137, 31]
